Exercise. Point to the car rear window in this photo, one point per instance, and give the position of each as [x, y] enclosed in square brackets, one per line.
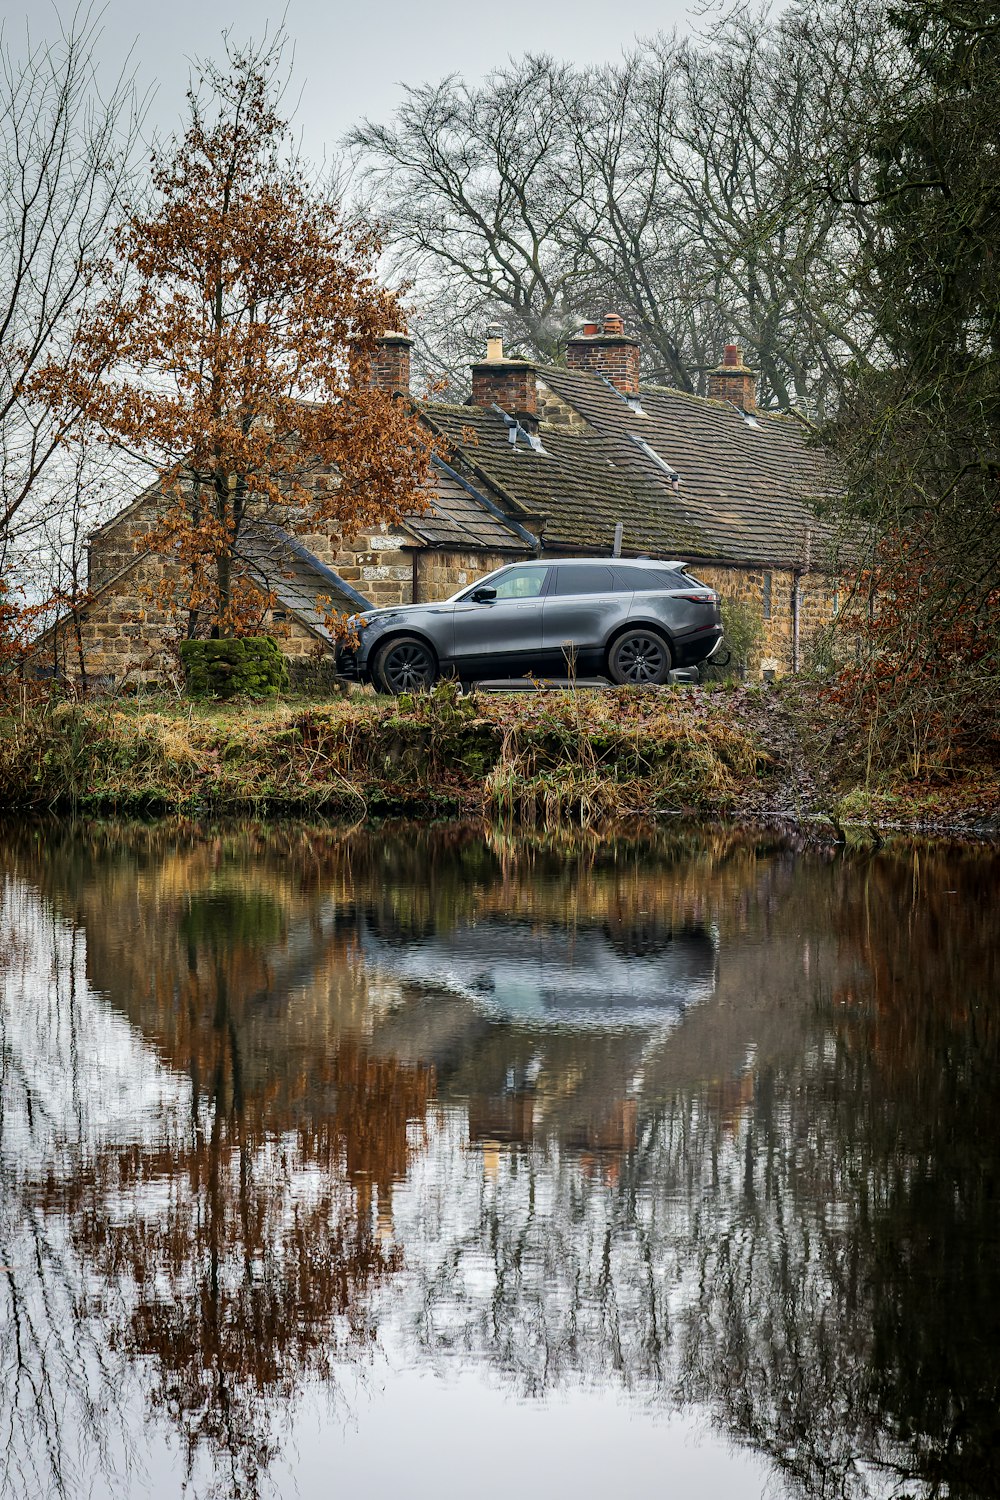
[574, 579]
[650, 578]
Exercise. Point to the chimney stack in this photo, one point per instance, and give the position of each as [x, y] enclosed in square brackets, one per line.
[390, 365]
[609, 350]
[507, 383]
[733, 380]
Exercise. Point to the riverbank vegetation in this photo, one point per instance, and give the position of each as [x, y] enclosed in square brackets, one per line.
[530, 759]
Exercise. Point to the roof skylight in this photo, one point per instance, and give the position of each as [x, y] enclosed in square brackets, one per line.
[661, 463]
[515, 430]
[632, 402]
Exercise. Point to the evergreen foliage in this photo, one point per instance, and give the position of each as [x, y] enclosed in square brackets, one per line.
[919, 437]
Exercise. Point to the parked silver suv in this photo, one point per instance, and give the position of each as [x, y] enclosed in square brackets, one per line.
[631, 621]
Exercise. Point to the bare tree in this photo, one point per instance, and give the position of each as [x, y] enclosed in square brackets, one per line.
[67, 165]
[482, 189]
[686, 185]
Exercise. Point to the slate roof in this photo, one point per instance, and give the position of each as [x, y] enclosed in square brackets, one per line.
[578, 485]
[455, 518]
[746, 495]
[295, 577]
[745, 492]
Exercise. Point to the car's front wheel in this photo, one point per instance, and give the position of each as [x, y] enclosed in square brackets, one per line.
[404, 665]
[640, 657]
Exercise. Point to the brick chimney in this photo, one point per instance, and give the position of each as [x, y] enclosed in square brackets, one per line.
[508, 383]
[609, 350]
[733, 381]
[390, 364]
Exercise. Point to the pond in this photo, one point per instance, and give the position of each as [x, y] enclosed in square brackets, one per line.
[440, 1163]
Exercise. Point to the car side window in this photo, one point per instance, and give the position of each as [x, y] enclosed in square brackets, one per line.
[520, 583]
[573, 579]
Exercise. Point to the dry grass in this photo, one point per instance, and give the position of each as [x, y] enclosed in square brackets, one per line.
[540, 761]
[527, 758]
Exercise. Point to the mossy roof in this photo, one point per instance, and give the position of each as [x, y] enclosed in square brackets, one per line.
[747, 494]
[575, 489]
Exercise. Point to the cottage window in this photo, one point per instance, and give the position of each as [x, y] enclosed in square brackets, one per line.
[766, 596]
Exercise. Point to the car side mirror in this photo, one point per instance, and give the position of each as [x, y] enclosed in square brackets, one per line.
[484, 595]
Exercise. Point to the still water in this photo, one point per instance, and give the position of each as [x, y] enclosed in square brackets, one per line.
[430, 1163]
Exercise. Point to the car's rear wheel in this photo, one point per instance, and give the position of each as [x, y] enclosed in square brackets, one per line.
[640, 657]
[404, 665]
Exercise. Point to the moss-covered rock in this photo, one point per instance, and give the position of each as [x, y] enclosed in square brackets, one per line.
[250, 666]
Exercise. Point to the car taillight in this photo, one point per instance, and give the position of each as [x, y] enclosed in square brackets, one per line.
[701, 598]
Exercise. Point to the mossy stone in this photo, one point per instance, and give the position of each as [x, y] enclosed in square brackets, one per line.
[250, 666]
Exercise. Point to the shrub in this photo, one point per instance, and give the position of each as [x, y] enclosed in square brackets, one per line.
[742, 637]
[250, 665]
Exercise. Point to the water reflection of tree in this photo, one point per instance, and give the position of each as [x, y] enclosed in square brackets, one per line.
[237, 1245]
[817, 1261]
[248, 1245]
[805, 1240]
[58, 1377]
[247, 1256]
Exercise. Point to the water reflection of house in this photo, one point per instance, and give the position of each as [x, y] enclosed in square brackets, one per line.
[492, 993]
[507, 1119]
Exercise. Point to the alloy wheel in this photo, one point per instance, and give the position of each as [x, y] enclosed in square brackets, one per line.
[407, 667]
[641, 659]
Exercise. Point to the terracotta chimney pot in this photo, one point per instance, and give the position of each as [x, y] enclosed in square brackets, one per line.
[608, 350]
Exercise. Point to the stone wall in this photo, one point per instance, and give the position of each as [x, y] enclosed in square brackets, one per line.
[376, 564]
[124, 636]
[553, 409]
[441, 574]
[296, 642]
[771, 592]
[112, 548]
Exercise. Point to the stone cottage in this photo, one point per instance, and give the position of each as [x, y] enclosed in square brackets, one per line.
[546, 460]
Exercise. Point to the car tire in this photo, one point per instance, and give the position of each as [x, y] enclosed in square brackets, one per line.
[640, 657]
[404, 665]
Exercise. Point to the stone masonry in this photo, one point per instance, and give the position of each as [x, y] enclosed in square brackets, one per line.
[124, 635]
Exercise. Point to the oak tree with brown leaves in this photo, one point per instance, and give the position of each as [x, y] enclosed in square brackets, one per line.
[237, 361]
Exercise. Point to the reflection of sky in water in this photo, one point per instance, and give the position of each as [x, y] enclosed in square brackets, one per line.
[83, 1074]
[648, 1174]
[422, 1414]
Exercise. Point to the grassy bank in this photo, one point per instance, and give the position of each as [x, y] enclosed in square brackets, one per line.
[525, 758]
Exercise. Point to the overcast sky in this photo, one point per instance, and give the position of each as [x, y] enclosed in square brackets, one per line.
[351, 59]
